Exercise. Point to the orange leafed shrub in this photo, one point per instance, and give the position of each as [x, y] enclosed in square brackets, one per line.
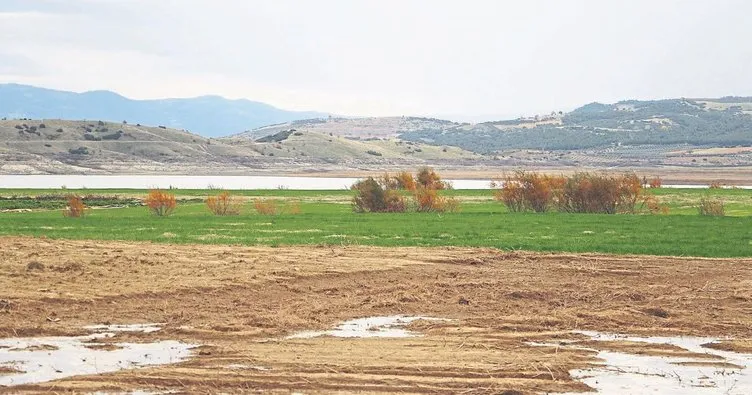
[715, 185]
[265, 206]
[405, 180]
[653, 206]
[655, 182]
[76, 207]
[538, 191]
[429, 200]
[528, 191]
[428, 178]
[160, 203]
[224, 204]
[629, 192]
[510, 193]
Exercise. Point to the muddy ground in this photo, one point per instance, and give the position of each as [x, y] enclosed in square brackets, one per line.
[240, 302]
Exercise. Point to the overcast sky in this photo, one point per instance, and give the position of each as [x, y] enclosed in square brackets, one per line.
[438, 58]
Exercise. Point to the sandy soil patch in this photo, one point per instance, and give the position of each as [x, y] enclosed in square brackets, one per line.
[241, 303]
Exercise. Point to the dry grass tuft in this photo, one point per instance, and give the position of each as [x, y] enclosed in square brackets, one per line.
[265, 206]
[657, 312]
[35, 265]
[711, 207]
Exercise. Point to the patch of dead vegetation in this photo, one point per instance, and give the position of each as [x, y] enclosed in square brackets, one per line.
[743, 346]
[103, 346]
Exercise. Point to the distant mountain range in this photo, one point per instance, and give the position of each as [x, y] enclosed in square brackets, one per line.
[209, 116]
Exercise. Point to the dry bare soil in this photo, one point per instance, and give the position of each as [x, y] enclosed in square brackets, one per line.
[239, 303]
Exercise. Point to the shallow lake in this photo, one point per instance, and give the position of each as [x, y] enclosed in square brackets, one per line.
[210, 182]
[195, 182]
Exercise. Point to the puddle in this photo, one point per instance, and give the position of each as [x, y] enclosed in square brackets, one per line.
[144, 328]
[41, 359]
[624, 373]
[387, 326]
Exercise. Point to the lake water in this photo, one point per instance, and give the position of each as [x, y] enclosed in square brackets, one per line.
[195, 182]
[216, 182]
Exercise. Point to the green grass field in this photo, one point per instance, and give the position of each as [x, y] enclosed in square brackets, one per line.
[327, 218]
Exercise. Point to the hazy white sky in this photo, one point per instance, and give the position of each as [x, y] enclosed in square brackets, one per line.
[386, 57]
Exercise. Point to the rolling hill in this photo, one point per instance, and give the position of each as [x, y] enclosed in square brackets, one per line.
[97, 147]
[691, 122]
[369, 127]
[342, 149]
[674, 132]
[209, 116]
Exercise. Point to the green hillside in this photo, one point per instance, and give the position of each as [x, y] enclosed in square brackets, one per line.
[699, 122]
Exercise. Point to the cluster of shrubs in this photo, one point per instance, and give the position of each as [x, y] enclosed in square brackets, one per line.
[163, 203]
[110, 136]
[29, 129]
[522, 191]
[77, 208]
[273, 207]
[387, 194]
[578, 193]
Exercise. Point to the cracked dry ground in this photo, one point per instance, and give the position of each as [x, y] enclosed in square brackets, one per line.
[240, 302]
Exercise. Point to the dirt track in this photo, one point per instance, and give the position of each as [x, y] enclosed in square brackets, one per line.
[239, 302]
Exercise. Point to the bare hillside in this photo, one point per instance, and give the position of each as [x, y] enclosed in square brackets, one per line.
[336, 148]
[95, 147]
[354, 127]
[60, 146]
